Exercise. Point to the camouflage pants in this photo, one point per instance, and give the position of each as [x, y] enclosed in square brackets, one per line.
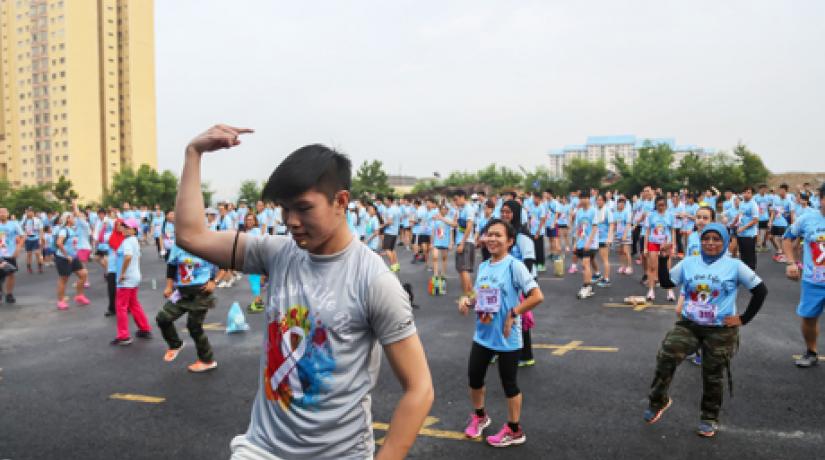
[196, 305]
[717, 344]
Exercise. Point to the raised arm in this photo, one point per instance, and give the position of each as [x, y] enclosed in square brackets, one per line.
[190, 232]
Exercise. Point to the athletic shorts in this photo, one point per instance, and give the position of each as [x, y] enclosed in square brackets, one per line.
[442, 248]
[32, 245]
[389, 242]
[83, 254]
[48, 252]
[582, 253]
[66, 268]
[603, 245]
[11, 261]
[466, 260]
[421, 239]
[763, 224]
[562, 225]
[552, 233]
[778, 231]
[101, 253]
[654, 247]
[811, 300]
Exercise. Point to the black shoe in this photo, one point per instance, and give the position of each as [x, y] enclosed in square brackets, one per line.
[109, 313]
[10, 298]
[122, 342]
[143, 334]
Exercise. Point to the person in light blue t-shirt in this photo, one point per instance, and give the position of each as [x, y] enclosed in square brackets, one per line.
[498, 331]
[391, 226]
[708, 320]
[11, 242]
[747, 228]
[810, 230]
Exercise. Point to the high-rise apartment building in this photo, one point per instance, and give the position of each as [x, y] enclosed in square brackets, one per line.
[610, 148]
[78, 91]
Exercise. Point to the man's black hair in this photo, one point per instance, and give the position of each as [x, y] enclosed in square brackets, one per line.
[312, 166]
[822, 191]
[784, 186]
[459, 192]
[747, 187]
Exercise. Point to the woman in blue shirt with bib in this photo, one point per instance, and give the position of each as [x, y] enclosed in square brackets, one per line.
[708, 321]
[498, 330]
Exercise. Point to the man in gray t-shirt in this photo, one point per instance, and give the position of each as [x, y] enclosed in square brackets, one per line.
[332, 307]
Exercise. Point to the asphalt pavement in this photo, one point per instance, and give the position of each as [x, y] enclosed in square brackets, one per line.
[66, 393]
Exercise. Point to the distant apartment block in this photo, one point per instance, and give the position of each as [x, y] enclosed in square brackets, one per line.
[608, 148]
[77, 91]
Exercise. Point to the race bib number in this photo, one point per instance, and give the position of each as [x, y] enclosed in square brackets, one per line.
[658, 236]
[819, 274]
[701, 313]
[488, 300]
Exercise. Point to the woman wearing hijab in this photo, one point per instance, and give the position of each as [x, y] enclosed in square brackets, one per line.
[708, 321]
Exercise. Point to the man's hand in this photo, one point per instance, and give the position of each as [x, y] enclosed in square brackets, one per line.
[733, 321]
[216, 138]
[208, 287]
[168, 292]
[121, 279]
[792, 271]
[460, 248]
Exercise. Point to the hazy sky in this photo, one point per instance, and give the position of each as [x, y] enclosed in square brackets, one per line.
[443, 85]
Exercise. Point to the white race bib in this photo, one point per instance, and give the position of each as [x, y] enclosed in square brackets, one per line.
[701, 313]
[488, 300]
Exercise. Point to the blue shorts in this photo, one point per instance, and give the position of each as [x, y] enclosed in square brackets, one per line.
[32, 245]
[552, 232]
[811, 300]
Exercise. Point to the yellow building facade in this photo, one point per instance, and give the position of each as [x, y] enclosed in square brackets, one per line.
[78, 91]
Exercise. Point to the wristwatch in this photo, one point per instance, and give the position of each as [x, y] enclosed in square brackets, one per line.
[513, 314]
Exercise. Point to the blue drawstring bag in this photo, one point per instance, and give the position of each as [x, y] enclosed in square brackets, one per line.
[235, 320]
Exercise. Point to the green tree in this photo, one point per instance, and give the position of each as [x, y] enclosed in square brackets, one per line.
[754, 170]
[36, 196]
[653, 166]
[142, 187]
[250, 191]
[582, 174]
[499, 178]
[460, 179]
[370, 179]
[63, 191]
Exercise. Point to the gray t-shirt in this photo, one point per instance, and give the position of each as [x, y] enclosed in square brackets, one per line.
[326, 316]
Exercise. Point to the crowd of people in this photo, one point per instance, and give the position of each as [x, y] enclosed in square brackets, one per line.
[329, 299]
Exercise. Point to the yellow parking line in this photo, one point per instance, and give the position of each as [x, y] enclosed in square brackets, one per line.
[426, 431]
[138, 398]
[640, 307]
[561, 350]
[213, 327]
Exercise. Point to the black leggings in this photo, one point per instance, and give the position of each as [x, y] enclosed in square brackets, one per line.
[111, 289]
[638, 241]
[747, 250]
[538, 244]
[507, 368]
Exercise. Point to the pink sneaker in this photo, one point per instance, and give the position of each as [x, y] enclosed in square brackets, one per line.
[620, 270]
[628, 271]
[62, 305]
[573, 269]
[506, 437]
[476, 426]
[81, 300]
[86, 285]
